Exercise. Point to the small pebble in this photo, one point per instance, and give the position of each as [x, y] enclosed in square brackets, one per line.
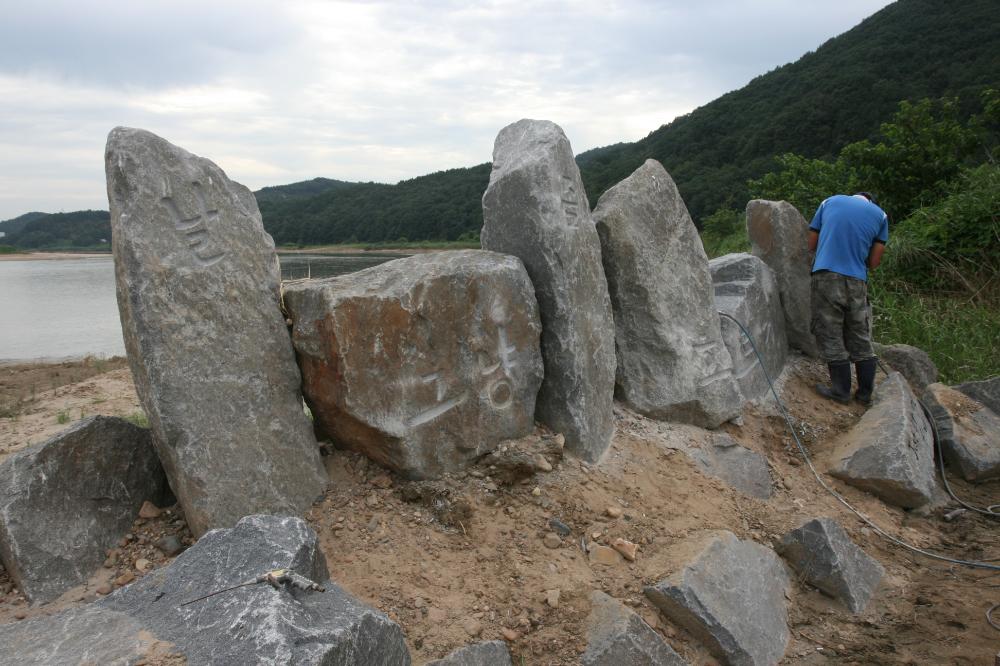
[552, 540]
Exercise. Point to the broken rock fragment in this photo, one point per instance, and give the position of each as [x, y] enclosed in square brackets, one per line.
[64, 502]
[986, 392]
[826, 558]
[423, 364]
[969, 432]
[913, 362]
[617, 636]
[890, 450]
[536, 209]
[487, 653]
[731, 596]
[672, 363]
[198, 293]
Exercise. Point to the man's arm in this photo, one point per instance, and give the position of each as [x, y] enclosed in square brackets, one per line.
[875, 255]
[813, 240]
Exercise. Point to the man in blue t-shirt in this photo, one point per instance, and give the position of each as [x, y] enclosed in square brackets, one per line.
[848, 235]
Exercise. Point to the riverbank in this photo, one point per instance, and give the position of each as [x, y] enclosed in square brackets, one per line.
[51, 256]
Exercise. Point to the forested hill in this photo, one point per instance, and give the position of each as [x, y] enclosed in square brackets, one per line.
[16, 224]
[82, 229]
[830, 97]
[301, 190]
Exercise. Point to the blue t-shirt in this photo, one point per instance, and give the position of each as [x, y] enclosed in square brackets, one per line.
[847, 226]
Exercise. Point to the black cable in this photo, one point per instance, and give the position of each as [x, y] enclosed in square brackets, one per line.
[802, 449]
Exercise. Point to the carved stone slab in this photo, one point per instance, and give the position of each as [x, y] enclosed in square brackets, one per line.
[423, 363]
[780, 236]
[198, 293]
[64, 502]
[672, 363]
[535, 208]
[745, 288]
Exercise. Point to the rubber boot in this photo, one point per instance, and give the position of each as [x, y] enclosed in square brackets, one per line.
[840, 383]
[865, 371]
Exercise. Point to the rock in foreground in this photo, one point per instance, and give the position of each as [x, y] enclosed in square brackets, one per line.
[198, 294]
[890, 450]
[986, 392]
[726, 459]
[672, 363]
[64, 502]
[826, 558]
[488, 653]
[969, 432]
[423, 364]
[746, 289]
[617, 636]
[535, 208]
[912, 362]
[732, 598]
[780, 236]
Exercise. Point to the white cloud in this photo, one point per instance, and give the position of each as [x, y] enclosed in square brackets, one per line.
[282, 91]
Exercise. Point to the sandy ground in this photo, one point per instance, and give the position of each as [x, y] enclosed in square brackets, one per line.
[46, 256]
[448, 585]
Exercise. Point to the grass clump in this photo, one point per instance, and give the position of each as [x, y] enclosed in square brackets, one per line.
[62, 418]
[138, 418]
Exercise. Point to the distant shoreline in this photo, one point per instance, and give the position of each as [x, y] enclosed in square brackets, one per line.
[51, 256]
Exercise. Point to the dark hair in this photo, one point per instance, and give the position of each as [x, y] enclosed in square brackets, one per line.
[869, 196]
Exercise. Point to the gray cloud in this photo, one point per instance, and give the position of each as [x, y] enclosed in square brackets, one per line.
[276, 92]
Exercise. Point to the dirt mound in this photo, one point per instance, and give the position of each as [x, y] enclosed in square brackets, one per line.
[473, 557]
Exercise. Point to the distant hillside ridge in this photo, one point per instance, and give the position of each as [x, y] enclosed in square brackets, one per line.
[838, 94]
[15, 224]
[300, 190]
[90, 229]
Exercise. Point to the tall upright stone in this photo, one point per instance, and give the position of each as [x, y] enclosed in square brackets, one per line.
[424, 363]
[746, 290]
[535, 208]
[198, 293]
[672, 363]
[780, 236]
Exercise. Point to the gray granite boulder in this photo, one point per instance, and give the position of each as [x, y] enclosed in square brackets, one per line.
[780, 236]
[726, 459]
[617, 636]
[746, 289]
[487, 653]
[914, 364]
[83, 636]
[536, 209]
[256, 624]
[672, 363]
[986, 392]
[890, 451]
[64, 502]
[424, 363]
[969, 433]
[198, 294]
[731, 597]
[826, 558]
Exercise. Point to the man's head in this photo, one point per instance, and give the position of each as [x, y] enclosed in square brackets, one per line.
[867, 195]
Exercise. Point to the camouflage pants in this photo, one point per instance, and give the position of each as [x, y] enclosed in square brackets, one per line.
[841, 317]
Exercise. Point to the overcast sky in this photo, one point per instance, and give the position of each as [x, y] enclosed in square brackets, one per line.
[276, 92]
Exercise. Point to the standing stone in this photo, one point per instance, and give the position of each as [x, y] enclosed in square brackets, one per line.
[969, 433]
[913, 362]
[746, 289]
[672, 363]
[780, 236]
[732, 598]
[64, 502]
[826, 558]
[425, 363]
[617, 636]
[890, 451]
[198, 293]
[726, 459]
[487, 653]
[535, 208]
[986, 392]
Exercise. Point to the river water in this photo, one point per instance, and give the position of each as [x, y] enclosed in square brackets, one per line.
[55, 309]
